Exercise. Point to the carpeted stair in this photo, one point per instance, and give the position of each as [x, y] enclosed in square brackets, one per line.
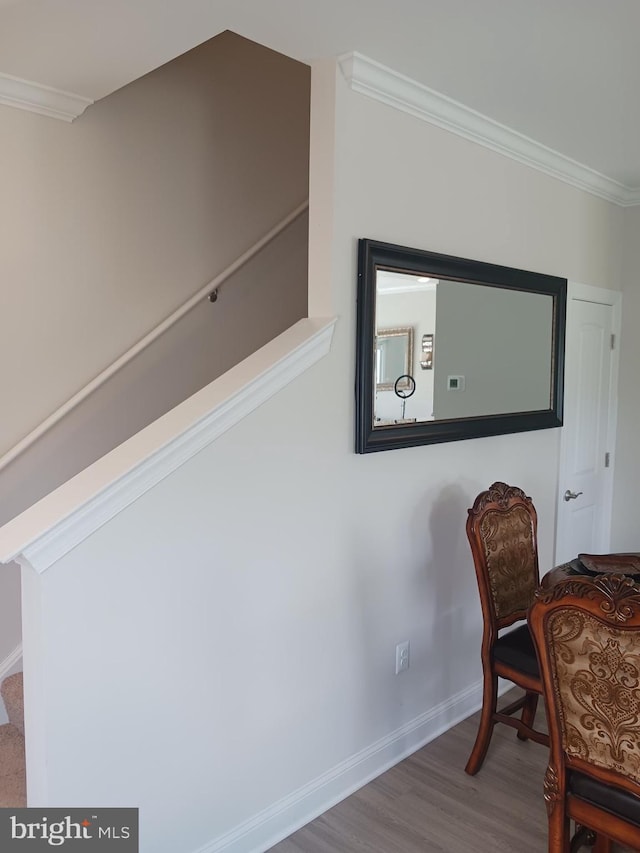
[12, 768]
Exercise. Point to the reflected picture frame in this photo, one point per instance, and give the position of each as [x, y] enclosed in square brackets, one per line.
[393, 333]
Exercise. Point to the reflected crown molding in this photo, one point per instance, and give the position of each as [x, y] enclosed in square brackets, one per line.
[377, 81]
[44, 100]
[392, 283]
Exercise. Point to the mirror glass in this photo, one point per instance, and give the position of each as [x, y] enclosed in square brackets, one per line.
[489, 354]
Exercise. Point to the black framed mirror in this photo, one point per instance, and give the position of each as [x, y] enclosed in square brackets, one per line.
[484, 348]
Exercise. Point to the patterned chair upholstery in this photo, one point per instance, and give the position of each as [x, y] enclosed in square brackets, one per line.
[587, 635]
[502, 533]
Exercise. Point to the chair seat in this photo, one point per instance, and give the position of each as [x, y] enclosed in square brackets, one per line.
[606, 797]
[516, 649]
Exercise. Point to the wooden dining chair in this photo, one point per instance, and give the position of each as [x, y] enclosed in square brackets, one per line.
[587, 635]
[502, 533]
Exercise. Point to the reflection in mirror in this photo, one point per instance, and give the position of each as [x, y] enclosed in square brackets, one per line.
[402, 299]
[495, 342]
[498, 344]
[394, 368]
[426, 362]
[490, 352]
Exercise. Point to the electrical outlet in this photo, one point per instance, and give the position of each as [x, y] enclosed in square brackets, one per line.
[402, 657]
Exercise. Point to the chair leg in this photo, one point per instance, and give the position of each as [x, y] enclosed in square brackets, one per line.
[602, 845]
[487, 722]
[583, 837]
[529, 712]
[559, 830]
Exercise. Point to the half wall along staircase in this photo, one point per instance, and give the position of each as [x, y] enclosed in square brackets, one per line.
[12, 763]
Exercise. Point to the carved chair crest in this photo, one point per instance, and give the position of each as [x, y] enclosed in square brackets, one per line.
[502, 531]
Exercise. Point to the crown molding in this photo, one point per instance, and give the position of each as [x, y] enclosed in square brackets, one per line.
[377, 81]
[63, 519]
[631, 197]
[54, 103]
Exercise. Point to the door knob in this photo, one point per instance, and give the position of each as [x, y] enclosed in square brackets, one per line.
[571, 496]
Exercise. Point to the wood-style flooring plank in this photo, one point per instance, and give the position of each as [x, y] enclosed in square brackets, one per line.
[428, 804]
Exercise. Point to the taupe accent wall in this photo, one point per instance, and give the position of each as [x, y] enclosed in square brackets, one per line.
[110, 223]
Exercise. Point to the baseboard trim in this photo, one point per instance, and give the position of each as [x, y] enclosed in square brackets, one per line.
[289, 814]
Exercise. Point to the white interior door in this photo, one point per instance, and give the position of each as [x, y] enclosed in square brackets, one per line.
[586, 446]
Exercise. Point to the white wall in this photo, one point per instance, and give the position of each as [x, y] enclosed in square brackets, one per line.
[238, 622]
[110, 223]
[624, 527]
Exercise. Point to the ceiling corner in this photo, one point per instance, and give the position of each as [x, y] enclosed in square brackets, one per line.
[44, 100]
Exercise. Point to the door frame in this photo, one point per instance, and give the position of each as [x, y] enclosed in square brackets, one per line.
[577, 292]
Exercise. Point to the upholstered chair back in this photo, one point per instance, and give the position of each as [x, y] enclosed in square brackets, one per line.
[586, 631]
[502, 532]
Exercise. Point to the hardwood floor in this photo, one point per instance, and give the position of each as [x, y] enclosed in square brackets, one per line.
[428, 803]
